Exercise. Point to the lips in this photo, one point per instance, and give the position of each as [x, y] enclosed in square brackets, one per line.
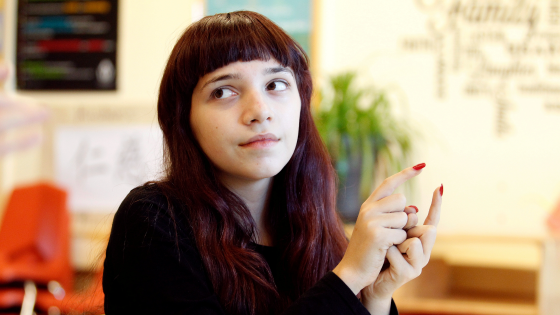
[261, 138]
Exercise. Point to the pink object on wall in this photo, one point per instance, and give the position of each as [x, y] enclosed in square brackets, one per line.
[553, 220]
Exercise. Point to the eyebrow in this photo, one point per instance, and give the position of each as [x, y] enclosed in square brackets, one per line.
[228, 76]
[278, 69]
[237, 76]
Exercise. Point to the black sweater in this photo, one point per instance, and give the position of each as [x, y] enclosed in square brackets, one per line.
[145, 272]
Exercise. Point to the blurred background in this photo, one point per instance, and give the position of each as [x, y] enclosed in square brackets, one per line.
[471, 88]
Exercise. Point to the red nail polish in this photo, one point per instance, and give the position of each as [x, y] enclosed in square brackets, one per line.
[415, 208]
[441, 190]
[419, 166]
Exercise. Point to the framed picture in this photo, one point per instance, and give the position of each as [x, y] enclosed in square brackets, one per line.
[66, 45]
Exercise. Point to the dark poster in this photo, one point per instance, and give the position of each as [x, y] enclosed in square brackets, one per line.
[66, 45]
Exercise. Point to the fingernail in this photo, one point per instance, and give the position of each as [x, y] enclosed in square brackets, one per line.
[415, 208]
[419, 166]
[441, 190]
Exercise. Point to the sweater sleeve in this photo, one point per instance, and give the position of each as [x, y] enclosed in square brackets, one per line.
[331, 296]
[146, 272]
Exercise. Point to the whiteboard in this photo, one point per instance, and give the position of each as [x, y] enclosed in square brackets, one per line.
[99, 165]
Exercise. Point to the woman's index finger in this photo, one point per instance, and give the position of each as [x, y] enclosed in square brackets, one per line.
[390, 184]
[435, 208]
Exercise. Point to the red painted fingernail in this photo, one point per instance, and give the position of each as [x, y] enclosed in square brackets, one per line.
[419, 166]
[415, 208]
[441, 190]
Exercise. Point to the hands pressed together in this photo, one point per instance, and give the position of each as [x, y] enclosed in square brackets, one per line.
[386, 230]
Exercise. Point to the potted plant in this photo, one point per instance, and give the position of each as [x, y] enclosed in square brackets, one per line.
[363, 137]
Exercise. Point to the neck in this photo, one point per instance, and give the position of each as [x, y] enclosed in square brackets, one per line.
[255, 194]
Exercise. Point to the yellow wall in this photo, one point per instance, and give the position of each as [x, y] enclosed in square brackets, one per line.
[147, 32]
[495, 183]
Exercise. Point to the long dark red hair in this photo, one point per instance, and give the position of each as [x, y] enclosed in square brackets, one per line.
[301, 219]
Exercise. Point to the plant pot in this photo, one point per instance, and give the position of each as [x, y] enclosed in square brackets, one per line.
[348, 200]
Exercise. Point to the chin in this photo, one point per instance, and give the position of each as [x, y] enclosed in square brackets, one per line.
[264, 175]
[263, 172]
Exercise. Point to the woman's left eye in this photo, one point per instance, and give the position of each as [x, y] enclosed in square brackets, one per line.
[277, 86]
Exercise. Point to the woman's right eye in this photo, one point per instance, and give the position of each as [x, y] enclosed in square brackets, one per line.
[222, 93]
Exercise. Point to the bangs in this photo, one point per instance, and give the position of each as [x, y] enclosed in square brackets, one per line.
[241, 36]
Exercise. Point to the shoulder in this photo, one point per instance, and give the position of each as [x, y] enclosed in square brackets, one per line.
[147, 212]
[143, 198]
[147, 227]
[152, 264]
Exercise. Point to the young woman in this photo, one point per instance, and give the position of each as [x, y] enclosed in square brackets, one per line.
[244, 220]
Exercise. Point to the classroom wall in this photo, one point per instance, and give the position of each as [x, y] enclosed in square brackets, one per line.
[495, 152]
[147, 32]
[491, 137]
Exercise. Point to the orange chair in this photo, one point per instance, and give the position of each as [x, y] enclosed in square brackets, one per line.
[35, 240]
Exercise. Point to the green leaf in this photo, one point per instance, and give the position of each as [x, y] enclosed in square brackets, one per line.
[383, 143]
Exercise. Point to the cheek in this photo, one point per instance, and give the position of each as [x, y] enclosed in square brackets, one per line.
[211, 135]
[294, 126]
[202, 127]
[291, 127]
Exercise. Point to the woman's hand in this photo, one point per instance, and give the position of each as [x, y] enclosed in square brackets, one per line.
[379, 227]
[406, 260]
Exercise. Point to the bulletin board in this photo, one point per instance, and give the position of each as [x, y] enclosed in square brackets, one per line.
[98, 153]
[294, 16]
[99, 165]
[66, 45]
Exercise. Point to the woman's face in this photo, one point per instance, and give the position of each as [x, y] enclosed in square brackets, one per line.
[245, 116]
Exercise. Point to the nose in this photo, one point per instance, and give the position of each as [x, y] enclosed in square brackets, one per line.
[256, 108]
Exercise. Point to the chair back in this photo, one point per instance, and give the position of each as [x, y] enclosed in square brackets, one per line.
[35, 236]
